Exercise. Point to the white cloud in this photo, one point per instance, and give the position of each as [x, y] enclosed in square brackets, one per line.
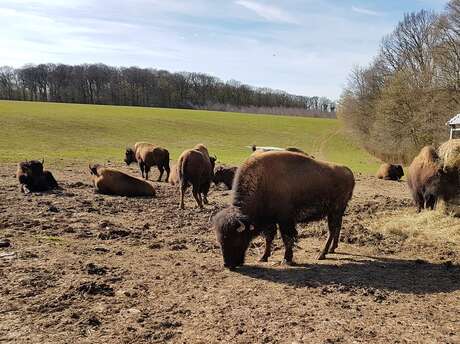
[365, 11]
[268, 12]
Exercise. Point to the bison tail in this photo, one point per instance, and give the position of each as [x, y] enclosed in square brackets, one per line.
[181, 170]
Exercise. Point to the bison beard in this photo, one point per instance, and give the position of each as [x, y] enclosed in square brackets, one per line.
[296, 189]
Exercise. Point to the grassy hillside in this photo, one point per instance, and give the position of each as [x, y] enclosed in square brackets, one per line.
[85, 133]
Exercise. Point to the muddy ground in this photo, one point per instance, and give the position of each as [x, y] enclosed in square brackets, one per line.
[88, 268]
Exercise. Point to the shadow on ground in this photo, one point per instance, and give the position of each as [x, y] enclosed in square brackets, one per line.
[405, 276]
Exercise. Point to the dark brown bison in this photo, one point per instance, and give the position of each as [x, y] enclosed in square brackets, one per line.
[390, 172]
[113, 182]
[195, 167]
[424, 178]
[282, 188]
[33, 178]
[225, 175]
[147, 156]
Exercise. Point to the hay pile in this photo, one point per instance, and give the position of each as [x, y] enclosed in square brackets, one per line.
[449, 152]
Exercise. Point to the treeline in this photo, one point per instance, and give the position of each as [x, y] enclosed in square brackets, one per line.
[102, 84]
[403, 100]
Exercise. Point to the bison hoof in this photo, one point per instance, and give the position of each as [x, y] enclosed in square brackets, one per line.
[322, 256]
[332, 250]
[263, 259]
[287, 262]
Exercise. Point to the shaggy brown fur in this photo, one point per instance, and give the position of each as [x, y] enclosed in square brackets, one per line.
[424, 178]
[282, 188]
[32, 177]
[113, 182]
[225, 174]
[174, 176]
[147, 156]
[195, 168]
[390, 172]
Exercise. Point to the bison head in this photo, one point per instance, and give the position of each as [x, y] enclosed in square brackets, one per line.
[233, 232]
[399, 171]
[218, 175]
[130, 156]
[34, 167]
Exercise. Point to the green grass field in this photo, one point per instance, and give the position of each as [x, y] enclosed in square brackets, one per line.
[84, 133]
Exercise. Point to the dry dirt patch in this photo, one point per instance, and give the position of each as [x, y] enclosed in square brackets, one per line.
[89, 268]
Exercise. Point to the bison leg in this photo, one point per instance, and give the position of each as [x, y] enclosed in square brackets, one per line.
[204, 191]
[269, 235]
[141, 167]
[197, 196]
[161, 169]
[183, 187]
[168, 171]
[337, 230]
[147, 170]
[288, 234]
[333, 222]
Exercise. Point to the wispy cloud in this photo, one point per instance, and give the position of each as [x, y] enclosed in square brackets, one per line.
[268, 12]
[365, 11]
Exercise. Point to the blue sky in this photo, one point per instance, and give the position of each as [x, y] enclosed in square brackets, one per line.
[305, 47]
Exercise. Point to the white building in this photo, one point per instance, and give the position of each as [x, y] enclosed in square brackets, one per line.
[454, 125]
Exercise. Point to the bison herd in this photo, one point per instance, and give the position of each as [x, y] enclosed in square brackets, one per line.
[273, 189]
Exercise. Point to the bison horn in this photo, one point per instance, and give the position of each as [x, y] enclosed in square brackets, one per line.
[241, 227]
[43, 161]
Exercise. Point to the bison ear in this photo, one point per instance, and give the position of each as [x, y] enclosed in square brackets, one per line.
[241, 227]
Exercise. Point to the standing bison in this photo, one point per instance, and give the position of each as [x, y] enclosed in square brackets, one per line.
[33, 178]
[113, 182]
[282, 188]
[390, 172]
[147, 156]
[195, 167]
[225, 175]
[424, 178]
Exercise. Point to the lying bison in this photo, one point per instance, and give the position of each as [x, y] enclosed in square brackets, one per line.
[32, 177]
[282, 188]
[390, 172]
[424, 178]
[195, 167]
[147, 156]
[113, 182]
[225, 175]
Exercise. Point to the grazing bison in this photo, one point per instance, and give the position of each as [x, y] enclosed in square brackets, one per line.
[424, 178]
[195, 167]
[148, 155]
[224, 174]
[113, 182]
[33, 178]
[390, 172]
[282, 188]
